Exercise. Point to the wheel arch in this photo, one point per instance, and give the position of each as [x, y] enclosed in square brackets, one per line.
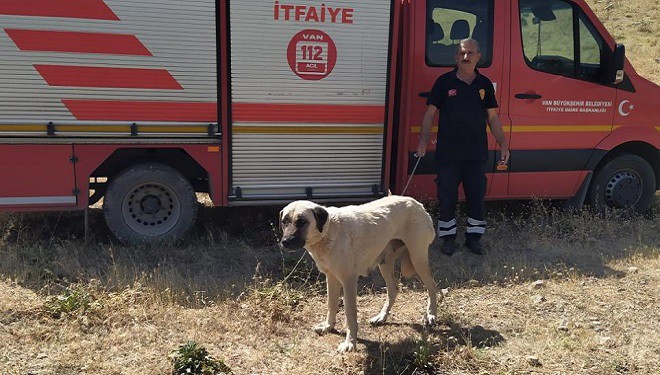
[639, 148]
[123, 158]
[624, 178]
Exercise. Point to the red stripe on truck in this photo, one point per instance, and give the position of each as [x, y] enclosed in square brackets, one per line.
[69, 41]
[85, 9]
[118, 110]
[309, 113]
[90, 76]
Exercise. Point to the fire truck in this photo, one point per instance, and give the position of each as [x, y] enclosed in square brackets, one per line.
[144, 103]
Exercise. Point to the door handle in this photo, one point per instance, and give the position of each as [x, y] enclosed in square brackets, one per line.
[424, 94]
[528, 96]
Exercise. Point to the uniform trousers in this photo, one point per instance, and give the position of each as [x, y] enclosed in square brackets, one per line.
[472, 174]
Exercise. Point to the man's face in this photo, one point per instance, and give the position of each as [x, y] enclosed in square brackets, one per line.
[467, 57]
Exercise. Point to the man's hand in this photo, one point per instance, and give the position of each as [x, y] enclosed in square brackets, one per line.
[421, 148]
[425, 131]
[505, 154]
[497, 131]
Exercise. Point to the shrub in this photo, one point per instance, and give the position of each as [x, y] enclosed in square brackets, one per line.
[192, 358]
[68, 301]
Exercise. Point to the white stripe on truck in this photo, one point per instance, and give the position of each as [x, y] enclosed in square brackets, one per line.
[11, 201]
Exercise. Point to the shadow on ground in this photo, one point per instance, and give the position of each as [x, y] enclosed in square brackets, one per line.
[537, 240]
[413, 356]
[229, 246]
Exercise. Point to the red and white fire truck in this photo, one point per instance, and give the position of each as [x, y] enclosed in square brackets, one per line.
[144, 103]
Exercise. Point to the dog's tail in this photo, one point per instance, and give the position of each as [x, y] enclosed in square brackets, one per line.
[407, 268]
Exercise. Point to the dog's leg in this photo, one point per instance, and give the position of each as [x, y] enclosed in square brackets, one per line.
[387, 270]
[432, 307]
[350, 305]
[420, 260]
[334, 288]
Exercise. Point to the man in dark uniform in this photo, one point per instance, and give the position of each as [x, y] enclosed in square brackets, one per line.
[466, 101]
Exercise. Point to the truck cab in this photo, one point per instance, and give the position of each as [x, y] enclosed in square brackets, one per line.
[579, 119]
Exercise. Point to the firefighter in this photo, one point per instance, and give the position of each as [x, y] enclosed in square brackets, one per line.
[466, 101]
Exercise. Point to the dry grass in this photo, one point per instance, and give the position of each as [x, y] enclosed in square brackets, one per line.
[252, 306]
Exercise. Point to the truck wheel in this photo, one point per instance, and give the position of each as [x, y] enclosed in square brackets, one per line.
[626, 182]
[149, 202]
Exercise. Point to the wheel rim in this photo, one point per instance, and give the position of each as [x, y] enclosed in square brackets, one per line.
[151, 209]
[624, 189]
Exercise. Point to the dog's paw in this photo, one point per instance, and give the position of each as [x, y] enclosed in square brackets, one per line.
[323, 328]
[378, 319]
[429, 320]
[346, 346]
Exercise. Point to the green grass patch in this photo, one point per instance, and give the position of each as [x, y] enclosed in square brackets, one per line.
[192, 358]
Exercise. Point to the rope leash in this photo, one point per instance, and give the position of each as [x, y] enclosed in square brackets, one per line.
[419, 158]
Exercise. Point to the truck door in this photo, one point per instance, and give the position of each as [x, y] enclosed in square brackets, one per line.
[558, 108]
[308, 94]
[36, 176]
[434, 30]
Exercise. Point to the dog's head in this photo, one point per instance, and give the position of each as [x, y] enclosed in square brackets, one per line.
[301, 223]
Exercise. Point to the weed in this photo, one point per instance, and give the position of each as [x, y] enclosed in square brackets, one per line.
[280, 292]
[645, 27]
[69, 301]
[622, 367]
[192, 358]
[422, 354]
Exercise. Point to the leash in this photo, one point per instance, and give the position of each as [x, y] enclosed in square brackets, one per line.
[419, 158]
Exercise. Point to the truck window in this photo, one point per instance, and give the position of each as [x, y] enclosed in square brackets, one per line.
[558, 38]
[449, 21]
[591, 50]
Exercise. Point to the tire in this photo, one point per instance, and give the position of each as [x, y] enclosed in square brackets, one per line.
[148, 203]
[625, 182]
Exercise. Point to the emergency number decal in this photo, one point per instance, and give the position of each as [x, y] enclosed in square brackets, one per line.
[312, 54]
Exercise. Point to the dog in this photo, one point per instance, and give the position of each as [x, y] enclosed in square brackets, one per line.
[349, 242]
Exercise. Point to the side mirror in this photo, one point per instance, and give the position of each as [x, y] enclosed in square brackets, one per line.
[615, 65]
[543, 13]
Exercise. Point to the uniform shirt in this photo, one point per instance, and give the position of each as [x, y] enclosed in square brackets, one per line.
[463, 116]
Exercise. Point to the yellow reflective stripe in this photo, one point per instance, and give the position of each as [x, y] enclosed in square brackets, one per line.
[107, 128]
[544, 128]
[307, 129]
[94, 128]
[25, 128]
[562, 128]
[172, 129]
[418, 129]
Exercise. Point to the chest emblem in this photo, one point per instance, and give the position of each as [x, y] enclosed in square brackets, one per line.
[452, 92]
[482, 94]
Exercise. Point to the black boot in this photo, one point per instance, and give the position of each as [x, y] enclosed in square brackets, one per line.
[449, 246]
[475, 246]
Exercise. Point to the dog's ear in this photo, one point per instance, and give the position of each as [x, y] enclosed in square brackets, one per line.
[279, 223]
[321, 216]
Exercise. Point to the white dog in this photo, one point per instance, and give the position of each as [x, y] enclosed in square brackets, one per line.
[350, 241]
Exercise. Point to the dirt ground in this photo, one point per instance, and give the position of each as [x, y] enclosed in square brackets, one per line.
[556, 293]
